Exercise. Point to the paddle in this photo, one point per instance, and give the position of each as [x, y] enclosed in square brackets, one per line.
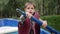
[38, 21]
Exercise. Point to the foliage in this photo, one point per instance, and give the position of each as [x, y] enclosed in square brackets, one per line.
[53, 21]
[44, 7]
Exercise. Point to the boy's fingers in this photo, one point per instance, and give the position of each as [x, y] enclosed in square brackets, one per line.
[28, 14]
[44, 24]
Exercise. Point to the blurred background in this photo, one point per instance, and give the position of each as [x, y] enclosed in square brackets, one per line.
[49, 10]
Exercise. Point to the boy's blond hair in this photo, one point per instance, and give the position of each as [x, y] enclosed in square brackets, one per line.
[30, 3]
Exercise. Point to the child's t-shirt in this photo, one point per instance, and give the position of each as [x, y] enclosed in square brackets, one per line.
[28, 24]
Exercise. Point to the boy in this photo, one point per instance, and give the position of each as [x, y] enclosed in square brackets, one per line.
[26, 25]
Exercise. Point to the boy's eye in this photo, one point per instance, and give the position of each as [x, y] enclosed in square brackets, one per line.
[31, 8]
[28, 8]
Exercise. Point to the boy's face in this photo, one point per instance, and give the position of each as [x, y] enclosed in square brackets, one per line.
[30, 8]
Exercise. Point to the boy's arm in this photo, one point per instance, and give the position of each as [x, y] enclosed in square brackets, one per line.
[44, 23]
[22, 18]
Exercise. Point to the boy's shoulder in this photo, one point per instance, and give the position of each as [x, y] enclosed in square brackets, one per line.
[37, 13]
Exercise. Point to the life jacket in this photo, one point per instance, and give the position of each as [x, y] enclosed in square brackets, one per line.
[25, 28]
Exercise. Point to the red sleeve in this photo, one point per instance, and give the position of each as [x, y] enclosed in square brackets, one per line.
[37, 15]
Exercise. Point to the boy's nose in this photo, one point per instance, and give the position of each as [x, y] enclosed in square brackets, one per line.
[30, 10]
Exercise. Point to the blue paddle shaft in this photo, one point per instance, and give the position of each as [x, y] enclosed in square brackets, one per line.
[40, 23]
[37, 21]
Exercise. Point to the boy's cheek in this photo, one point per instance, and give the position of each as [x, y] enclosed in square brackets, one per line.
[33, 11]
[27, 10]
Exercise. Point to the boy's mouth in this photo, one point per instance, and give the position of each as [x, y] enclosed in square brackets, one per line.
[30, 12]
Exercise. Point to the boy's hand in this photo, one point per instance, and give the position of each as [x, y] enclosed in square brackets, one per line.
[29, 15]
[44, 24]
